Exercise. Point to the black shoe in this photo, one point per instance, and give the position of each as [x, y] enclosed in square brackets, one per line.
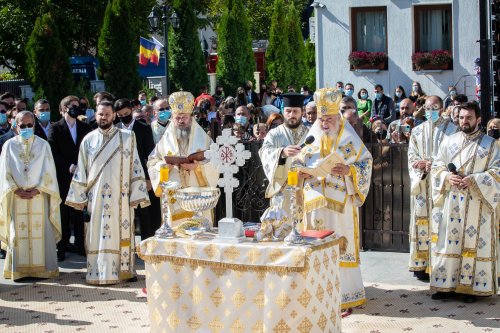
[132, 279]
[3, 253]
[421, 275]
[469, 299]
[61, 256]
[441, 295]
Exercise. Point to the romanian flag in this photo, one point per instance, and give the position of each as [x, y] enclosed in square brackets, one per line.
[146, 49]
[155, 53]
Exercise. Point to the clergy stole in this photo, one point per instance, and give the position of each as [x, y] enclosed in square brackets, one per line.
[465, 255]
[110, 181]
[424, 143]
[206, 173]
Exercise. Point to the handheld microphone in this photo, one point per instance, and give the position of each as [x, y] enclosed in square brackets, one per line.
[452, 168]
[309, 140]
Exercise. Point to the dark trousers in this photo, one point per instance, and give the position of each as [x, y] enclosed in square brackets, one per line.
[70, 215]
[149, 217]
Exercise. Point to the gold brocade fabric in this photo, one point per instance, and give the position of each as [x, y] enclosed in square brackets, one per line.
[205, 286]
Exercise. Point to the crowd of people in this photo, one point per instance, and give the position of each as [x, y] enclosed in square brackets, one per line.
[103, 167]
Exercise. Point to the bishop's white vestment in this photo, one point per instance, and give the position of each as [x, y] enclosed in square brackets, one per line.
[30, 227]
[110, 182]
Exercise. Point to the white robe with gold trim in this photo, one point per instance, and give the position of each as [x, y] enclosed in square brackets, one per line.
[30, 228]
[465, 256]
[332, 202]
[424, 143]
[205, 175]
[110, 182]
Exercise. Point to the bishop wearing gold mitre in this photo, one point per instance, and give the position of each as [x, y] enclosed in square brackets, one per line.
[182, 137]
[30, 221]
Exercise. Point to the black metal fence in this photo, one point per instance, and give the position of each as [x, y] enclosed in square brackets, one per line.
[12, 86]
[384, 218]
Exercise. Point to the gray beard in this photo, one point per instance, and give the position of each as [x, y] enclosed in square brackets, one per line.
[182, 134]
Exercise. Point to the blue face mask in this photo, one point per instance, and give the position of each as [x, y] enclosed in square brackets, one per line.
[143, 102]
[432, 115]
[89, 113]
[378, 95]
[364, 96]
[44, 116]
[13, 124]
[340, 90]
[242, 120]
[3, 118]
[349, 92]
[26, 133]
[398, 94]
[164, 115]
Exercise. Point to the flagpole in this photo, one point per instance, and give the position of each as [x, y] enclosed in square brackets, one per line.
[165, 47]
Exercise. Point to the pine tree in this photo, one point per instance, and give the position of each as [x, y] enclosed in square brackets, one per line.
[277, 54]
[117, 50]
[310, 56]
[236, 62]
[296, 57]
[47, 63]
[187, 70]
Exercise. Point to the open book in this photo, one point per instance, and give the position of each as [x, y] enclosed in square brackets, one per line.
[323, 166]
[178, 160]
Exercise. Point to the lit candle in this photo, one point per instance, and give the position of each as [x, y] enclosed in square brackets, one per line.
[293, 177]
[164, 173]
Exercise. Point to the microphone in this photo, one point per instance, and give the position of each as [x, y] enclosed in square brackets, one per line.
[452, 168]
[309, 140]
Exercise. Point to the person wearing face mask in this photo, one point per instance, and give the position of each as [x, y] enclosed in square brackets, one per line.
[383, 105]
[218, 96]
[340, 87]
[416, 91]
[42, 113]
[349, 89]
[162, 114]
[364, 106]
[204, 95]
[149, 217]
[241, 97]
[142, 97]
[30, 223]
[242, 117]
[278, 100]
[252, 96]
[493, 128]
[450, 97]
[399, 95]
[65, 137]
[304, 90]
[12, 132]
[422, 151]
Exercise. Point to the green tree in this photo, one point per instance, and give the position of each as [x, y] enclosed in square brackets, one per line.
[310, 56]
[47, 62]
[236, 63]
[296, 57]
[117, 51]
[278, 52]
[186, 62]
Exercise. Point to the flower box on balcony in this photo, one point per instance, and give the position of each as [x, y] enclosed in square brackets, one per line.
[368, 60]
[434, 60]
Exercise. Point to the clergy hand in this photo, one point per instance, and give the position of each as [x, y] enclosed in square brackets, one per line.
[340, 169]
[465, 183]
[291, 151]
[455, 180]
[428, 165]
[304, 175]
[419, 164]
[190, 166]
[27, 194]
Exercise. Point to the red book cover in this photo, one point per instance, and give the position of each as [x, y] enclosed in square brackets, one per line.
[318, 234]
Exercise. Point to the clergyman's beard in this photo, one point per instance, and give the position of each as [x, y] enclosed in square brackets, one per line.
[333, 132]
[104, 126]
[183, 133]
[468, 130]
[292, 126]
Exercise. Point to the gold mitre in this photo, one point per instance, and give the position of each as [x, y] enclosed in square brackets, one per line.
[181, 102]
[327, 101]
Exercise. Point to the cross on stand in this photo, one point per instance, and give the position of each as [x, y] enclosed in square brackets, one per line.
[228, 156]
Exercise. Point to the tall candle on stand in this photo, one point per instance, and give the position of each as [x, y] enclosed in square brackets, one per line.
[293, 177]
[164, 173]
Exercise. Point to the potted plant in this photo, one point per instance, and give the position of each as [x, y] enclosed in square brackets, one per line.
[437, 59]
[368, 60]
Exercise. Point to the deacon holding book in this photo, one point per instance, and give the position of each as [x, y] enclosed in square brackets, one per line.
[281, 146]
[109, 181]
[182, 138]
[332, 202]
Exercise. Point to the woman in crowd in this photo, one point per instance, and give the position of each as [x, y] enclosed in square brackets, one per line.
[274, 121]
[399, 95]
[364, 105]
[416, 91]
[493, 128]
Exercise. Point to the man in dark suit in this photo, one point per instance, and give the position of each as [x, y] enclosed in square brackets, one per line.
[42, 118]
[64, 138]
[383, 106]
[150, 217]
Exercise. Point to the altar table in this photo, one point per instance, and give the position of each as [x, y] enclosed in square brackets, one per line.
[208, 286]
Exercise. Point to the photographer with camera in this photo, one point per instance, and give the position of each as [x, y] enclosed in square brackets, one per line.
[399, 130]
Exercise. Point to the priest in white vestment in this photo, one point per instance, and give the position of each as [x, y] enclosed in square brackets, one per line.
[332, 202]
[30, 220]
[182, 137]
[281, 145]
[422, 150]
[110, 183]
[466, 189]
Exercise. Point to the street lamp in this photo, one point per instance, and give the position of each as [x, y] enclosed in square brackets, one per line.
[154, 19]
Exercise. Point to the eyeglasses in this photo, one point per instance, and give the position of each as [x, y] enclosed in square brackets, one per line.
[163, 109]
[434, 107]
[23, 126]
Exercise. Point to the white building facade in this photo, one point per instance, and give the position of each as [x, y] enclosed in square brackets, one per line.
[399, 28]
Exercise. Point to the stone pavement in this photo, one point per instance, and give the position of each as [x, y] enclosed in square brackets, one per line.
[396, 303]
